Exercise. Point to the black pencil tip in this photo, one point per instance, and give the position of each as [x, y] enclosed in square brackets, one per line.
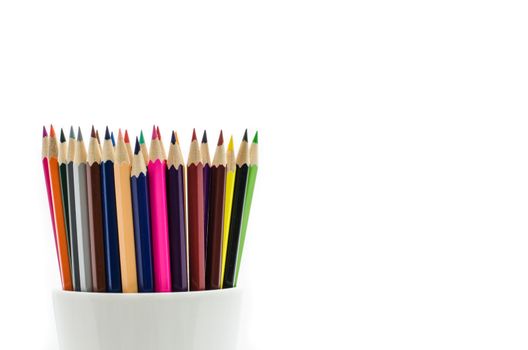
[79, 134]
[204, 137]
[137, 148]
[62, 137]
[173, 137]
[245, 138]
[107, 133]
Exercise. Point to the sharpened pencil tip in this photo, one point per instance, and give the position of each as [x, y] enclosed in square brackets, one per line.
[141, 138]
[194, 135]
[44, 132]
[204, 137]
[137, 148]
[62, 137]
[231, 145]
[221, 139]
[52, 131]
[72, 133]
[92, 133]
[158, 132]
[245, 138]
[173, 137]
[127, 140]
[107, 134]
[154, 133]
[79, 134]
[119, 134]
[255, 138]
[112, 137]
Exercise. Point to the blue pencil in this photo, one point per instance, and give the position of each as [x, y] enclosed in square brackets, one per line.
[140, 211]
[111, 243]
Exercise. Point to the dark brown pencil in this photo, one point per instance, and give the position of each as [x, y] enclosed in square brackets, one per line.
[95, 214]
[216, 217]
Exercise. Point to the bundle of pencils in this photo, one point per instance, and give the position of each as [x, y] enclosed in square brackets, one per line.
[127, 220]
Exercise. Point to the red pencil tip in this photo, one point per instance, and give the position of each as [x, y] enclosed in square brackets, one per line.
[44, 132]
[221, 139]
[158, 132]
[154, 133]
[93, 134]
[127, 140]
[194, 135]
[52, 131]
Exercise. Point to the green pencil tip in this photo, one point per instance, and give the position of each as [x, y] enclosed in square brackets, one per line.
[141, 138]
[255, 139]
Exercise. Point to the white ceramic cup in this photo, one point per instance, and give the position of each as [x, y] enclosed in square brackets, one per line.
[154, 321]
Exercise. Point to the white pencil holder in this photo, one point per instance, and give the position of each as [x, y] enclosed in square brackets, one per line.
[207, 320]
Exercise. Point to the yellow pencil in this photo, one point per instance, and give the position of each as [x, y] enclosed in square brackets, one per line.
[230, 185]
[125, 223]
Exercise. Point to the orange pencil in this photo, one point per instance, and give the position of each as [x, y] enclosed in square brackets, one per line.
[60, 228]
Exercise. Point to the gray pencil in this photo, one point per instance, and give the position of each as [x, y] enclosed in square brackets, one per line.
[76, 282]
[81, 206]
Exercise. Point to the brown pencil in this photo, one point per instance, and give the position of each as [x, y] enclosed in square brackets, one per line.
[216, 217]
[195, 200]
[95, 214]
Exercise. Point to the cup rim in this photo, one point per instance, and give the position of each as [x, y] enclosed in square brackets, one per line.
[151, 295]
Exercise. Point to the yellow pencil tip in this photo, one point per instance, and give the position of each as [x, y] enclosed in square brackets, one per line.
[231, 146]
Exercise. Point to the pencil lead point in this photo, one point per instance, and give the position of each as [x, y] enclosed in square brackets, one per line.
[44, 132]
[119, 135]
[112, 137]
[127, 140]
[62, 137]
[79, 134]
[137, 148]
[255, 138]
[72, 133]
[52, 131]
[231, 145]
[204, 137]
[194, 135]
[92, 133]
[107, 133]
[154, 133]
[141, 138]
[221, 138]
[245, 138]
[158, 132]
[173, 137]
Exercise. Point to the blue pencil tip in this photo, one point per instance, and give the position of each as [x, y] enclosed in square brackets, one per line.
[107, 134]
[137, 148]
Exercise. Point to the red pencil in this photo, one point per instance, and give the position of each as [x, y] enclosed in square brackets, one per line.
[195, 200]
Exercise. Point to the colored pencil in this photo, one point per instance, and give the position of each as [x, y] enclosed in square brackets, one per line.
[158, 212]
[176, 216]
[112, 138]
[125, 223]
[62, 243]
[95, 214]
[206, 160]
[82, 222]
[230, 185]
[45, 168]
[128, 147]
[143, 147]
[111, 243]
[239, 193]
[252, 178]
[74, 254]
[195, 205]
[63, 177]
[140, 206]
[216, 217]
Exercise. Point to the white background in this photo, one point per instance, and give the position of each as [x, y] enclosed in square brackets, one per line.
[390, 207]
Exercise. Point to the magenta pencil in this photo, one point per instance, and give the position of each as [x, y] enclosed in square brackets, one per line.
[158, 215]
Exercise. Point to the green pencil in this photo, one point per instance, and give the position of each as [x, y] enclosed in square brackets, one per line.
[252, 177]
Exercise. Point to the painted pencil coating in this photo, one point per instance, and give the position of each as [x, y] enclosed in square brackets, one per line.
[95, 210]
[158, 216]
[59, 214]
[45, 168]
[63, 177]
[111, 244]
[142, 235]
[125, 224]
[206, 160]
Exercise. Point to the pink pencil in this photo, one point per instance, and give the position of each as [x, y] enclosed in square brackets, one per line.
[158, 215]
[45, 166]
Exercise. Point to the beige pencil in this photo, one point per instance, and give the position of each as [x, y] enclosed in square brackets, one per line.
[125, 224]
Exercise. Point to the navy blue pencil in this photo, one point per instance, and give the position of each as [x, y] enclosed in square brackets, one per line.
[141, 214]
[176, 216]
[111, 243]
